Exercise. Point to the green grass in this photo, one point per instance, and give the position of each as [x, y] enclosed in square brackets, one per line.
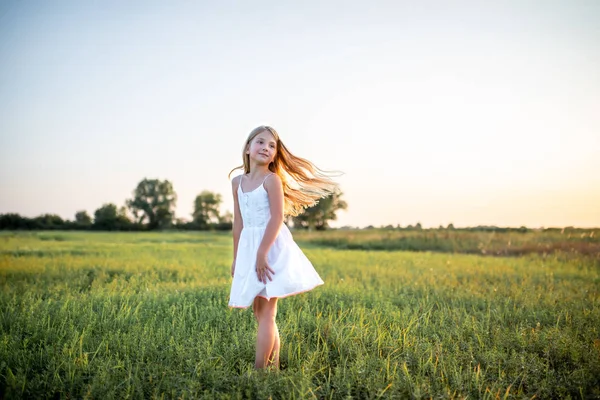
[144, 315]
[568, 242]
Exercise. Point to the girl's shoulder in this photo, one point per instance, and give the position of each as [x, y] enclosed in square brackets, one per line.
[272, 176]
[272, 180]
[235, 181]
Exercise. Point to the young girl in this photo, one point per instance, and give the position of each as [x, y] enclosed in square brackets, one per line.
[267, 263]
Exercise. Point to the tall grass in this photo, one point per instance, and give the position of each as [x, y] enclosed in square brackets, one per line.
[144, 315]
[514, 243]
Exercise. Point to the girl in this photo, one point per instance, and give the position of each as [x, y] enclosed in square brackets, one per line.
[267, 263]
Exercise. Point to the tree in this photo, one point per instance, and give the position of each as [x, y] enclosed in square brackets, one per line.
[49, 221]
[225, 222]
[124, 222]
[153, 203]
[318, 216]
[82, 219]
[15, 221]
[206, 209]
[109, 218]
[105, 217]
[226, 218]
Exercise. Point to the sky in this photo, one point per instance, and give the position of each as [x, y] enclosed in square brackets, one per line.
[438, 112]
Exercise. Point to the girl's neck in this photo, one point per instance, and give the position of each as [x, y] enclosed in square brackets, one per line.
[257, 171]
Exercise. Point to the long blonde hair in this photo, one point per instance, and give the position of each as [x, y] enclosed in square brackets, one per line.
[313, 183]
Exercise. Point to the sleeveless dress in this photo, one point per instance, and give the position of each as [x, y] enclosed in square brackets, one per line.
[294, 273]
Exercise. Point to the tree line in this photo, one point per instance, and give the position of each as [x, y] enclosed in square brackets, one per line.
[152, 207]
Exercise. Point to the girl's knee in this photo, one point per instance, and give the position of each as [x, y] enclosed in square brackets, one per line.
[270, 311]
[265, 309]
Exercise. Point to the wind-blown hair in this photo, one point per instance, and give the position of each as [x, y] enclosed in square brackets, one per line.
[312, 182]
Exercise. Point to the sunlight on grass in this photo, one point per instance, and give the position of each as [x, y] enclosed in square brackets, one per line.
[92, 315]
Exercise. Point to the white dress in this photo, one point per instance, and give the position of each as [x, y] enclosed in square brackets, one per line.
[294, 273]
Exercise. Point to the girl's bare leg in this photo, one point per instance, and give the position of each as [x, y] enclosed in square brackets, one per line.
[274, 356]
[265, 312]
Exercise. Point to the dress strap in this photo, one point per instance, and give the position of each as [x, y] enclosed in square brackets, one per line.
[263, 182]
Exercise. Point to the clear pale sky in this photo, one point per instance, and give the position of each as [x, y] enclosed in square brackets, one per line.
[464, 112]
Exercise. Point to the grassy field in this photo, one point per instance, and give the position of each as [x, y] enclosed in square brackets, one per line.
[144, 315]
[569, 242]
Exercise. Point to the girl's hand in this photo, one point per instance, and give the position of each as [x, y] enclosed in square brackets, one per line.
[263, 270]
[232, 268]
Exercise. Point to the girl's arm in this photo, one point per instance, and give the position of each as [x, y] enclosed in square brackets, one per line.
[274, 190]
[238, 224]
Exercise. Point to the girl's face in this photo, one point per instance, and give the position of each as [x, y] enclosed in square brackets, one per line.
[262, 148]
